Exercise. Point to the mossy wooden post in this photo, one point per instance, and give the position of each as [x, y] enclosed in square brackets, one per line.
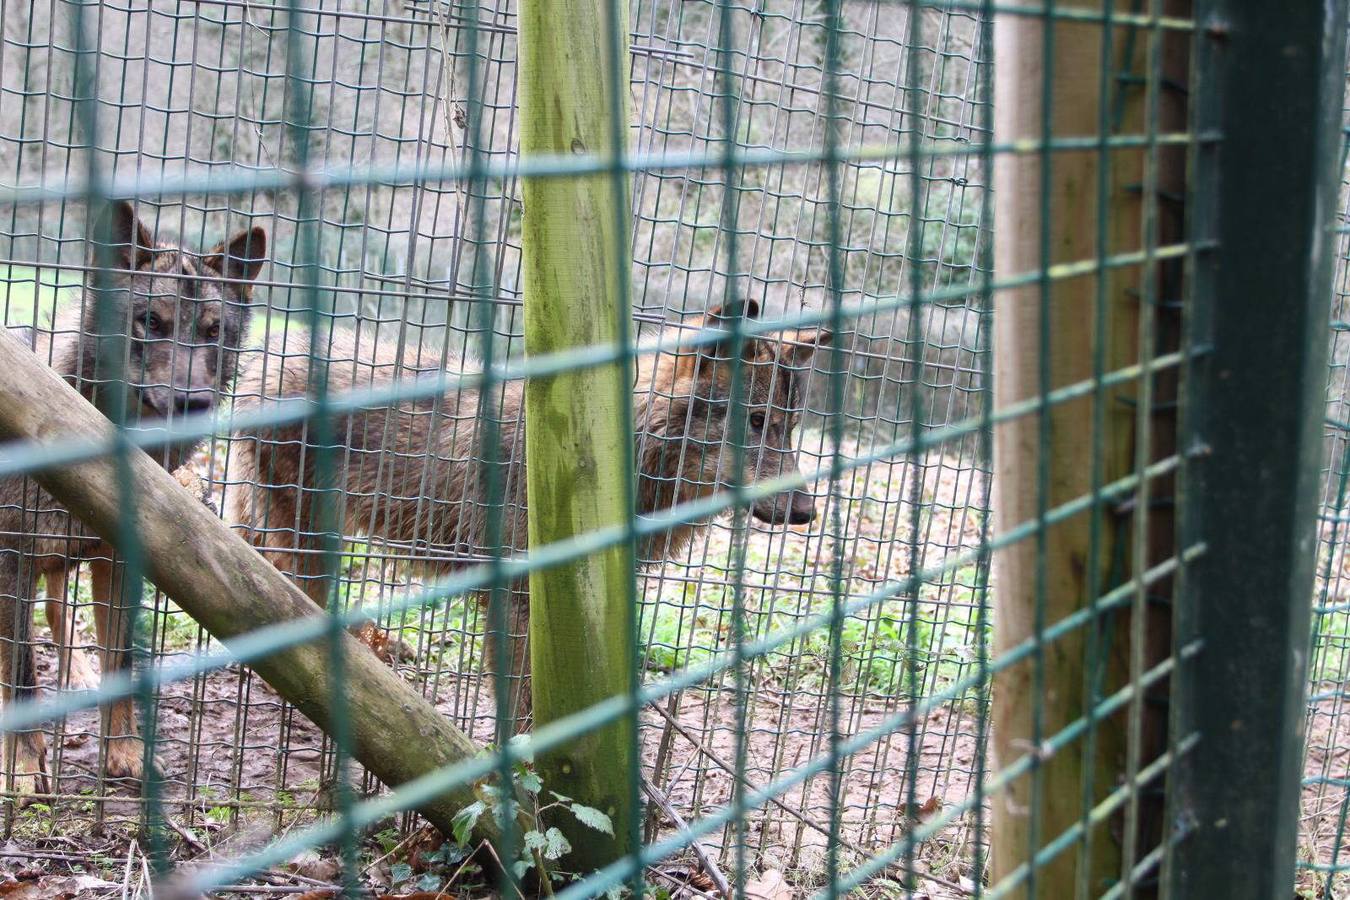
[1078, 326]
[576, 443]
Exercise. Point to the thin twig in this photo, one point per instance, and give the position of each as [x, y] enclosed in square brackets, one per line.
[448, 103]
[397, 847]
[81, 857]
[188, 837]
[278, 875]
[126, 872]
[679, 882]
[276, 889]
[467, 860]
[493, 850]
[709, 866]
[145, 881]
[843, 841]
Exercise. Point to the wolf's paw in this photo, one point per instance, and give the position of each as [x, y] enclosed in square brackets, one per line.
[192, 482]
[29, 768]
[126, 759]
[388, 649]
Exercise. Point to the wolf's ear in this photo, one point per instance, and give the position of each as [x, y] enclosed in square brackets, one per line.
[723, 316]
[128, 240]
[240, 258]
[725, 312]
[798, 347]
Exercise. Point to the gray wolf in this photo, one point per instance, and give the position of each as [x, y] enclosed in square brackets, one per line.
[182, 314]
[410, 473]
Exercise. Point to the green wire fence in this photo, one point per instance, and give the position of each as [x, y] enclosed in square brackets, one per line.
[827, 645]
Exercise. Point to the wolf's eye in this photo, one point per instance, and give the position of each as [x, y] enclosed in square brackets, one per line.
[757, 420]
[212, 332]
[152, 323]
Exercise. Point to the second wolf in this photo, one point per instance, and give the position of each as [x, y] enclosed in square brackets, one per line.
[411, 473]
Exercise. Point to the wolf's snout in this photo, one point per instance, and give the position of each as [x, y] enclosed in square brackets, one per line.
[192, 401]
[802, 509]
[796, 509]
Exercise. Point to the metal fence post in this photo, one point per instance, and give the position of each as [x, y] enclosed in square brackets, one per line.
[1270, 79]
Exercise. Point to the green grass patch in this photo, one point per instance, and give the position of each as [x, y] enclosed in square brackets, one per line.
[687, 623]
[29, 296]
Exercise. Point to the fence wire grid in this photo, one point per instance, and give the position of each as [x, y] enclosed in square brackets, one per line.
[184, 93]
[814, 717]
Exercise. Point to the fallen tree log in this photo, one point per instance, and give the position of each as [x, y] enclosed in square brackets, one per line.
[219, 580]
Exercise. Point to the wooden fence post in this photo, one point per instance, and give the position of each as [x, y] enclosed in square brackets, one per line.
[577, 445]
[1089, 206]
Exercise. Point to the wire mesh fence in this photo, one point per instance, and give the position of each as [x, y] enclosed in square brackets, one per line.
[397, 265]
[332, 193]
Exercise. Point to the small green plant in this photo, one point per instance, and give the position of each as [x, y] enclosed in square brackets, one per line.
[540, 843]
[388, 839]
[448, 854]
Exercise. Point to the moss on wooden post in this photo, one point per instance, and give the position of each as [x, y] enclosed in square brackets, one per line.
[576, 443]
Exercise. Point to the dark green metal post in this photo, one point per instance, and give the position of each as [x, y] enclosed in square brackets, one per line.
[1270, 80]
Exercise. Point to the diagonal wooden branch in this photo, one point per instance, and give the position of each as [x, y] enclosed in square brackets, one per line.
[709, 867]
[225, 585]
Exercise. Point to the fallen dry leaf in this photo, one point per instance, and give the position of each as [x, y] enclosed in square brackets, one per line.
[425, 843]
[56, 887]
[311, 864]
[700, 879]
[770, 885]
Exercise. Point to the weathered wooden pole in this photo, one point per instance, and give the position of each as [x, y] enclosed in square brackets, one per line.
[577, 442]
[223, 583]
[1090, 208]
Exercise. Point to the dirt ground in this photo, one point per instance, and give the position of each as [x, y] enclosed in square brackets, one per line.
[239, 766]
[1324, 838]
[222, 792]
[241, 769]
